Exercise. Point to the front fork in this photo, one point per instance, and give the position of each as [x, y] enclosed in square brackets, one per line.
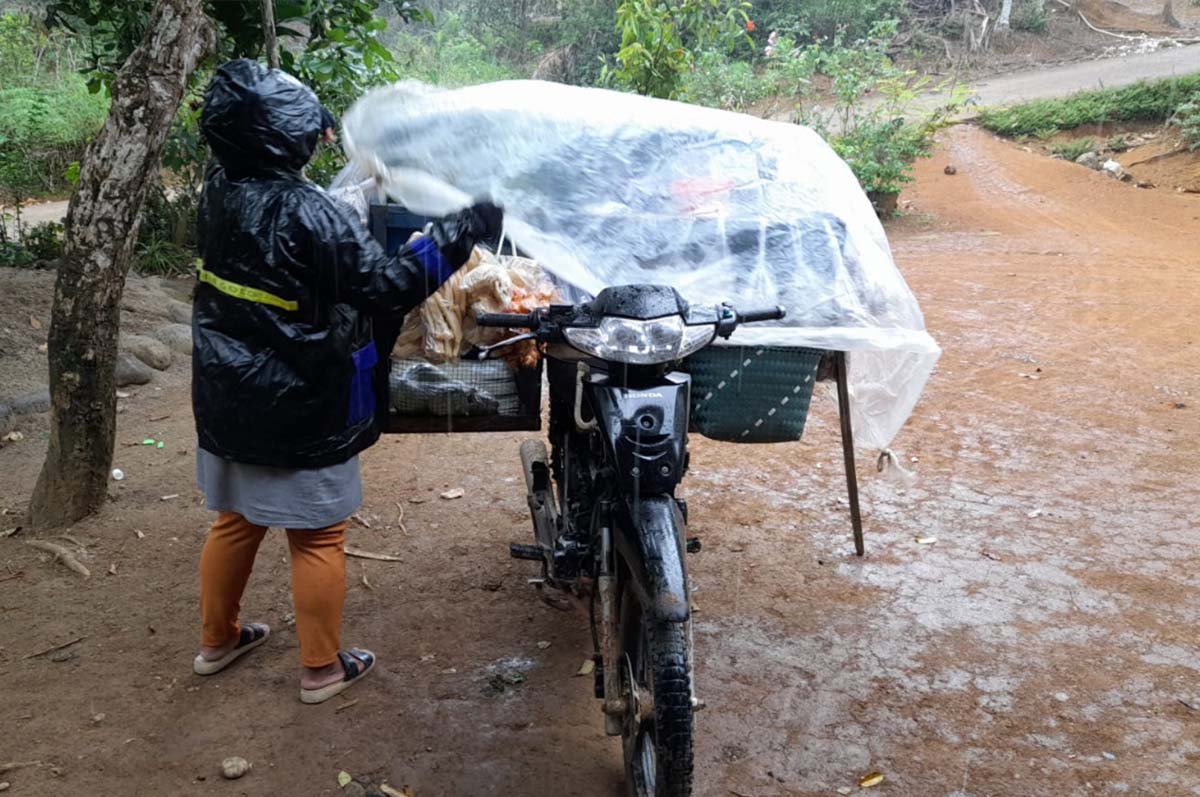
[610, 641]
[616, 697]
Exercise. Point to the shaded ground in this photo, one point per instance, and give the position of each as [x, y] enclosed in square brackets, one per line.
[1044, 645]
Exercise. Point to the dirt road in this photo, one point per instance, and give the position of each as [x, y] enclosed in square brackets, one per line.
[1046, 644]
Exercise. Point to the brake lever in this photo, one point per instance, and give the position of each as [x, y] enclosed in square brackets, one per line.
[486, 351]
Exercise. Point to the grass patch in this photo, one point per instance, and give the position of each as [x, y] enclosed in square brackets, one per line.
[1145, 101]
[1070, 150]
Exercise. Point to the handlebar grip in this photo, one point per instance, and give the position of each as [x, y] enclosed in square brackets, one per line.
[762, 314]
[506, 320]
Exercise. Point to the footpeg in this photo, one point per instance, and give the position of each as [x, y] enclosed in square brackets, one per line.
[530, 552]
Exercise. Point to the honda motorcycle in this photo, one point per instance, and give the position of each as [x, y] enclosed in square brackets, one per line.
[607, 525]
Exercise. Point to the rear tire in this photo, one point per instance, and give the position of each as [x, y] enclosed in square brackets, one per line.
[658, 751]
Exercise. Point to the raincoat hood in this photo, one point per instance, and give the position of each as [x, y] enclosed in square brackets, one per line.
[260, 121]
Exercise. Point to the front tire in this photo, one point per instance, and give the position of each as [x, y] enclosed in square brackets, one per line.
[658, 748]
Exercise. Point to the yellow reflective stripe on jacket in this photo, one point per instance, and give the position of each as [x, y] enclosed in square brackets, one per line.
[245, 293]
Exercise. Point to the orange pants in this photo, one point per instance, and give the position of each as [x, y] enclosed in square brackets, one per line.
[318, 584]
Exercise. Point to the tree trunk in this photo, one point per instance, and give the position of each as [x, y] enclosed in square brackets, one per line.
[1168, 16]
[102, 223]
[270, 40]
[1003, 21]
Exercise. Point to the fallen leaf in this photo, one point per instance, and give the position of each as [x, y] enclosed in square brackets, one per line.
[587, 668]
[121, 394]
[543, 645]
[417, 500]
[34, 323]
[112, 569]
[844, 790]
[344, 779]
[14, 437]
[43, 348]
[457, 492]
[926, 540]
[141, 535]
[170, 497]
[872, 779]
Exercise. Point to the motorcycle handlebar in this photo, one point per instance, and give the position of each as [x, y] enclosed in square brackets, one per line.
[507, 320]
[761, 314]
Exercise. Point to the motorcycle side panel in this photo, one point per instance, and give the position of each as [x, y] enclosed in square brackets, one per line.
[652, 546]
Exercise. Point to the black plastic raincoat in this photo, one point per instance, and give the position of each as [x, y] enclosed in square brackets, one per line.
[282, 370]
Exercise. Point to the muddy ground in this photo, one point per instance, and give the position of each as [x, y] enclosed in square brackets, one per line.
[1046, 644]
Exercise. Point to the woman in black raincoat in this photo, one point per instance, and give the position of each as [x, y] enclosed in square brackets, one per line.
[283, 362]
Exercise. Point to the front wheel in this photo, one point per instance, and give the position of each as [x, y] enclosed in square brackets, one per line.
[657, 736]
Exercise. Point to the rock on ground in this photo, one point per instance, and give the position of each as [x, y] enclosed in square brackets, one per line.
[152, 352]
[1090, 160]
[179, 312]
[176, 337]
[132, 371]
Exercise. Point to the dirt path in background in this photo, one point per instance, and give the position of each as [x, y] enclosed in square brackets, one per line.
[1045, 645]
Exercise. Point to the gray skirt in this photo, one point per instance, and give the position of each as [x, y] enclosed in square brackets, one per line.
[280, 497]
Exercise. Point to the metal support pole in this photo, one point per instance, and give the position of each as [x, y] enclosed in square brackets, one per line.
[843, 391]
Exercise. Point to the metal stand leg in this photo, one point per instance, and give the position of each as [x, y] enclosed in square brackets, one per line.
[848, 450]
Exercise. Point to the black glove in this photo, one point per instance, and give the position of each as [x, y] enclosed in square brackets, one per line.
[457, 235]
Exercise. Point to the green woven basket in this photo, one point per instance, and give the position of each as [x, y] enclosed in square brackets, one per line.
[752, 394]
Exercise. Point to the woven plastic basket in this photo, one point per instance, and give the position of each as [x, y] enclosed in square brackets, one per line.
[752, 394]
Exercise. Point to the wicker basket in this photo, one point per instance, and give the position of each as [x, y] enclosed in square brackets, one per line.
[752, 394]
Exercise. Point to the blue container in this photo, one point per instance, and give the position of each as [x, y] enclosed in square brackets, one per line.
[393, 225]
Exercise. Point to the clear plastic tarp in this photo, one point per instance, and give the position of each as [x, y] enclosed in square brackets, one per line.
[605, 188]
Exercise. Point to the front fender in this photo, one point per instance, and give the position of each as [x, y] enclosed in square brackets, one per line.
[652, 546]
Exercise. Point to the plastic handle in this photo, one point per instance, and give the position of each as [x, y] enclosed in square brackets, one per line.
[765, 314]
[506, 320]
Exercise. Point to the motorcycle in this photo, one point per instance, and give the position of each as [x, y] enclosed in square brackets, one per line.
[607, 524]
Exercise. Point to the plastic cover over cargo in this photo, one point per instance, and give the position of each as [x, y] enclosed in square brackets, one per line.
[605, 188]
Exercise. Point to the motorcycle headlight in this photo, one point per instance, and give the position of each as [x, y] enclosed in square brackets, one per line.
[624, 340]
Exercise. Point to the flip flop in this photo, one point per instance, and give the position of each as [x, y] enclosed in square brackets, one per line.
[252, 635]
[357, 663]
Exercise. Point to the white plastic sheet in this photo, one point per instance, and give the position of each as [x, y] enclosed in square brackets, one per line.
[605, 188]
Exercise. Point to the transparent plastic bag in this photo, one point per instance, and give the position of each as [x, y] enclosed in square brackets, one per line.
[604, 188]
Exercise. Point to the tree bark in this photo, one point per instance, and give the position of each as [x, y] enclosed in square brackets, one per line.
[270, 40]
[102, 224]
[1003, 22]
[1168, 16]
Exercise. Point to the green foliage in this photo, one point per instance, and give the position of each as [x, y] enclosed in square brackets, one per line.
[823, 20]
[44, 241]
[332, 45]
[451, 56]
[719, 82]
[47, 115]
[659, 41]
[1070, 150]
[1031, 18]
[1187, 118]
[1145, 101]
[879, 138]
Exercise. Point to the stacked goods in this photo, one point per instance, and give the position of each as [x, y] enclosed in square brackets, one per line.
[429, 377]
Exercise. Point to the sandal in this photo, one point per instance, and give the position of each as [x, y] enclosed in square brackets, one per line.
[252, 635]
[357, 663]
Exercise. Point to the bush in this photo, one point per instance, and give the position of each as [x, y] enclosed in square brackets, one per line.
[44, 241]
[718, 82]
[1144, 101]
[450, 56]
[47, 116]
[1031, 18]
[1187, 118]
[823, 20]
[1071, 150]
